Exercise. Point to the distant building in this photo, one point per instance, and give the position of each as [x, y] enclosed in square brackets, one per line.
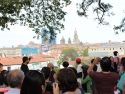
[29, 50]
[45, 40]
[62, 41]
[45, 48]
[76, 40]
[18, 51]
[69, 41]
[106, 50]
[10, 51]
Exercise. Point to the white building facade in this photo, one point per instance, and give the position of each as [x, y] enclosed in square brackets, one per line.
[106, 50]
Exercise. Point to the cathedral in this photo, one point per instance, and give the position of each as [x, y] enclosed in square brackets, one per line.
[75, 42]
[62, 41]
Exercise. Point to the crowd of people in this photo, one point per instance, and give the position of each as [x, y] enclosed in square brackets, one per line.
[104, 76]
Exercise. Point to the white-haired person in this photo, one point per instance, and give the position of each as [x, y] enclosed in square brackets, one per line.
[52, 73]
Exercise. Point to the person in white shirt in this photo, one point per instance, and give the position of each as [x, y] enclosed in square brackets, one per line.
[98, 66]
[15, 79]
[79, 70]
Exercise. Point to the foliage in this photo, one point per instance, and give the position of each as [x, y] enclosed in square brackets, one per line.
[102, 10]
[69, 53]
[75, 66]
[36, 14]
[84, 52]
[56, 70]
[59, 62]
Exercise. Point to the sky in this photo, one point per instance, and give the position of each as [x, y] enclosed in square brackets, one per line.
[88, 30]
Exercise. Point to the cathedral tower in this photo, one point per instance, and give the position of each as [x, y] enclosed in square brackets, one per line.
[69, 41]
[76, 39]
[62, 41]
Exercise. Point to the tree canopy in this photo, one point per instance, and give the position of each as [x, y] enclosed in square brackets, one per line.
[84, 52]
[36, 14]
[101, 9]
[69, 53]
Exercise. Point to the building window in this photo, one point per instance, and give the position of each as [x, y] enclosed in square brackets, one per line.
[104, 48]
[113, 48]
[120, 48]
[110, 48]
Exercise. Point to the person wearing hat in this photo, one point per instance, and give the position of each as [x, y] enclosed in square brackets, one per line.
[79, 70]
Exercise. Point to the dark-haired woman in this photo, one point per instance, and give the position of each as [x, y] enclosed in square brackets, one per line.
[67, 82]
[113, 65]
[86, 80]
[122, 79]
[49, 89]
[4, 74]
[34, 83]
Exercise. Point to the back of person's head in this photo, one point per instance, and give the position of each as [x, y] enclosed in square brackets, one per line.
[123, 63]
[65, 64]
[4, 73]
[95, 66]
[50, 65]
[15, 78]
[78, 61]
[84, 70]
[46, 72]
[111, 58]
[24, 59]
[92, 61]
[74, 70]
[105, 64]
[1, 67]
[67, 80]
[115, 53]
[34, 83]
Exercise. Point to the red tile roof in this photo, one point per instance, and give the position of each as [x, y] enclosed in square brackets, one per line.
[18, 60]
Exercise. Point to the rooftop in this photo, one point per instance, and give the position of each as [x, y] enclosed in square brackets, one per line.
[6, 61]
[112, 44]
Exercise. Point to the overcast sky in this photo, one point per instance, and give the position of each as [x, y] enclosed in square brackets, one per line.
[88, 30]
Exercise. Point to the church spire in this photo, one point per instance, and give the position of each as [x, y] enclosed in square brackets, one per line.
[76, 39]
[69, 41]
[62, 41]
[75, 29]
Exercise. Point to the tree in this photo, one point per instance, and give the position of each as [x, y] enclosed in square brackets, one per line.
[84, 52]
[36, 14]
[69, 53]
[102, 10]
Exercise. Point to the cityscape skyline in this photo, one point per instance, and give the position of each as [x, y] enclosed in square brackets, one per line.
[88, 30]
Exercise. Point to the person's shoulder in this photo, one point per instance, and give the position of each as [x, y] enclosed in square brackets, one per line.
[123, 75]
[93, 73]
[88, 77]
[22, 64]
[115, 75]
